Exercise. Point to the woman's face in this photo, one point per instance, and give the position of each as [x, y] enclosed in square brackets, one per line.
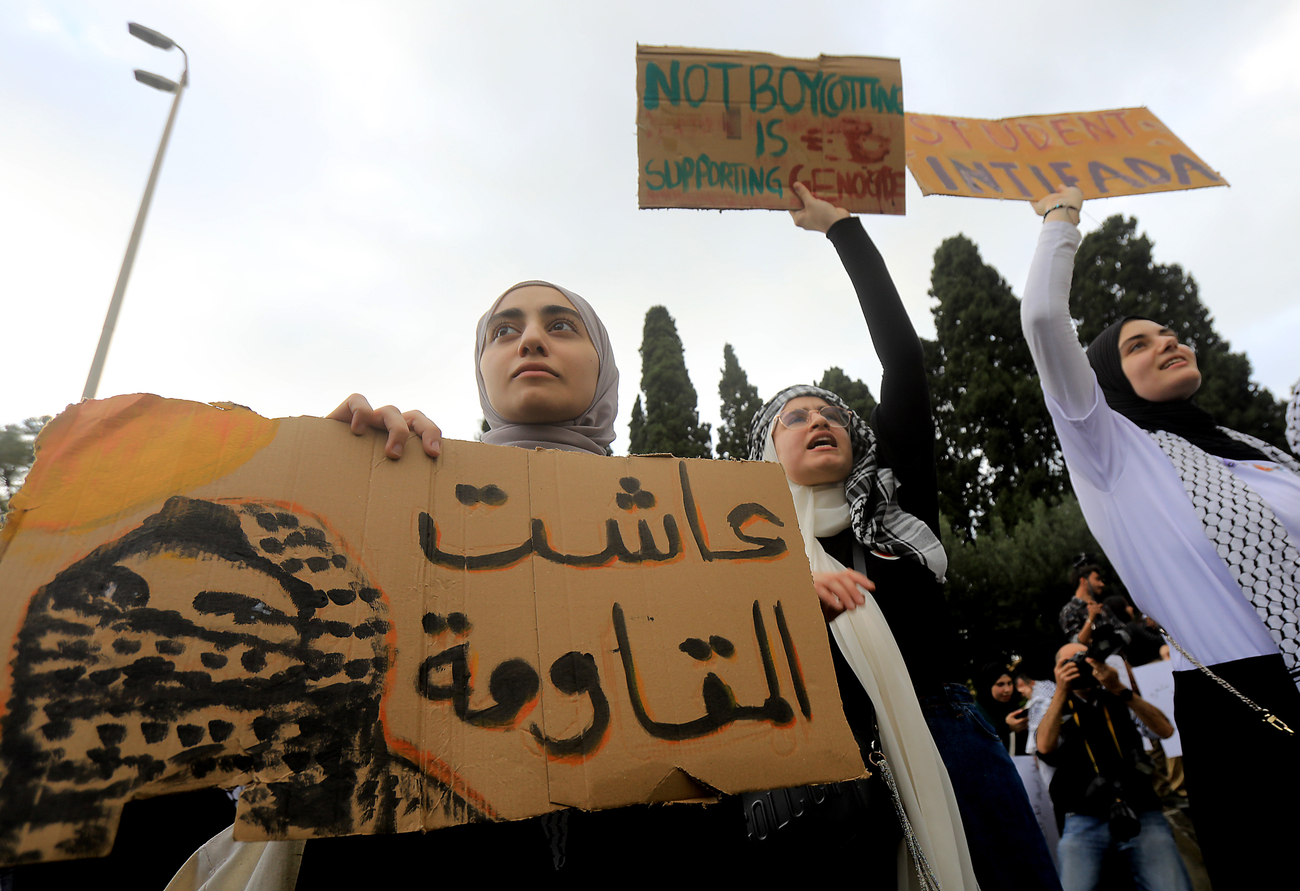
[539, 365]
[1159, 367]
[816, 454]
[1003, 688]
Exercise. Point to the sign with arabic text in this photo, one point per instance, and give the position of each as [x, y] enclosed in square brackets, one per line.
[198, 596]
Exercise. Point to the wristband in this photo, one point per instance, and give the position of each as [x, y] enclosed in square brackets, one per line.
[1062, 207]
[1125, 695]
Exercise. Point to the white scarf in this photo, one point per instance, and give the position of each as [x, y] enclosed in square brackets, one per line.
[868, 645]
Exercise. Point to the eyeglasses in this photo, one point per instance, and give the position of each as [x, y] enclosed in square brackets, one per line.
[799, 418]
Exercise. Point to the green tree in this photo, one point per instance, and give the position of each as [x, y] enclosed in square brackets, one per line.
[636, 427]
[672, 423]
[1115, 276]
[740, 403]
[16, 455]
[855, 393]
[1006, 587]
[997, 452]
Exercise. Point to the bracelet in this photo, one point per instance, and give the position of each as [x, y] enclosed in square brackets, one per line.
[1062, 207]
[1125, 695]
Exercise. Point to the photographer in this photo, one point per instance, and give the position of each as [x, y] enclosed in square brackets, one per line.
[1102, 784]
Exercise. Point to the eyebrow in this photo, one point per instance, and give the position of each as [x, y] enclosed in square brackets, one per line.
[514, 314]
[1129, 340]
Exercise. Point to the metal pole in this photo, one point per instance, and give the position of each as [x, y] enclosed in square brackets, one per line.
[115, 305]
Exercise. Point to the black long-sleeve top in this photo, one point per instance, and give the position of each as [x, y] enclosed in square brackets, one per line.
[908, 593]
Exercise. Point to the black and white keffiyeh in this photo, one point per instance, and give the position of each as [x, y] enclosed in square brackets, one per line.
[1248, 536]
[1250, 539]
[871, 490]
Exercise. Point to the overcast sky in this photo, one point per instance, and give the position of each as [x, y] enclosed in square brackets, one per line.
[350, 185]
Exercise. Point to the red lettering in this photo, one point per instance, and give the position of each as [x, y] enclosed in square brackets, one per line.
[915, 122]
[1047, 137]
[957, 125]
[1094, 128]
[819, 187]
[1061, 128]
[794, 177]
[1119, 116]
[1015, 140]
[812, 139]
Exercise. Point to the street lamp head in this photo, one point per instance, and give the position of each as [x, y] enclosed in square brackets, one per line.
[157, 82]
[150, 36]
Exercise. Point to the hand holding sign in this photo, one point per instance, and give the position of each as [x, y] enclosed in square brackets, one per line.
[1060, 204]
[816, 215]
[359, 416]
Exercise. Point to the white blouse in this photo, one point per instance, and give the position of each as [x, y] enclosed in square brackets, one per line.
[1130, 493]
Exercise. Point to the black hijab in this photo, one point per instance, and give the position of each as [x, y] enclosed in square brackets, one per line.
[1181, 417]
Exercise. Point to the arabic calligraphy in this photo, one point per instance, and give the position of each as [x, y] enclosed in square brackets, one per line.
[514, 686]
[632, 498]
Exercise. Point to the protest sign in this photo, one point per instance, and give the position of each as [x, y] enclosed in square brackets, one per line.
[198, 596]
[1126, 151]
[720, 129]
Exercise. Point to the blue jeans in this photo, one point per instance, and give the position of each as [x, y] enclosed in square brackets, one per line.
[1007, 848]
[1152, 854]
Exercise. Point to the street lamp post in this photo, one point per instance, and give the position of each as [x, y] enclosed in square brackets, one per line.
[153, 38]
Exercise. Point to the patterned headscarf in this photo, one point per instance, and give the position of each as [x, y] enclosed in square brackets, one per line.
[593, 430]
[871, 491]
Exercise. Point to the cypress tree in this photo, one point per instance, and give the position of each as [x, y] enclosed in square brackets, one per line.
[997, 450]
[672, 423]
[740, 403]
[855, 393]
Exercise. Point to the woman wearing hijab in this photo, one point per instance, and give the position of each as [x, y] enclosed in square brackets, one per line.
[546, 379]
[999, 705]
[1202, 523]
[867, 501]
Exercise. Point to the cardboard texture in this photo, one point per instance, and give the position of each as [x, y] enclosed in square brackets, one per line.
[197, 596]
[721, 129]
[1125, 151]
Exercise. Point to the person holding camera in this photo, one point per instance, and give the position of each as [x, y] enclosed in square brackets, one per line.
[1102, 785]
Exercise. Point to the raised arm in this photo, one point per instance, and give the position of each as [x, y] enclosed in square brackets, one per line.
[903, 421]
[1045, 311]
[360, 417]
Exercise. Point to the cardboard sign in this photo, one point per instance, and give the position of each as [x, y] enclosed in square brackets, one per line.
[719, 129]
[1126, 151]
[197, 596]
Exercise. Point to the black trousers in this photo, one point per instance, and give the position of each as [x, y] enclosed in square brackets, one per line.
[1242, 781]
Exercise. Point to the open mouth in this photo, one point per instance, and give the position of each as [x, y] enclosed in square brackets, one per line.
[1177, 360]
[824, 440]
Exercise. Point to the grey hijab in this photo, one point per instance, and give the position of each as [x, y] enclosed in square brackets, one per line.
[593, 430]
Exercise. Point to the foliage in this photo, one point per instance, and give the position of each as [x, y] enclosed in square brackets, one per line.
[740, 403]
[1115, 276]
[636, 426]
[997, 452]
[672, 423]
[16, 455]
[1006, 587]
[855, 393]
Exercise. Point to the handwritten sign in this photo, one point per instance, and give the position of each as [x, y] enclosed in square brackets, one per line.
[719, 129]
[374, 646]
[1126, 151]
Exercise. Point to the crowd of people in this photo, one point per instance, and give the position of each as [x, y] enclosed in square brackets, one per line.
[1202, 525]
